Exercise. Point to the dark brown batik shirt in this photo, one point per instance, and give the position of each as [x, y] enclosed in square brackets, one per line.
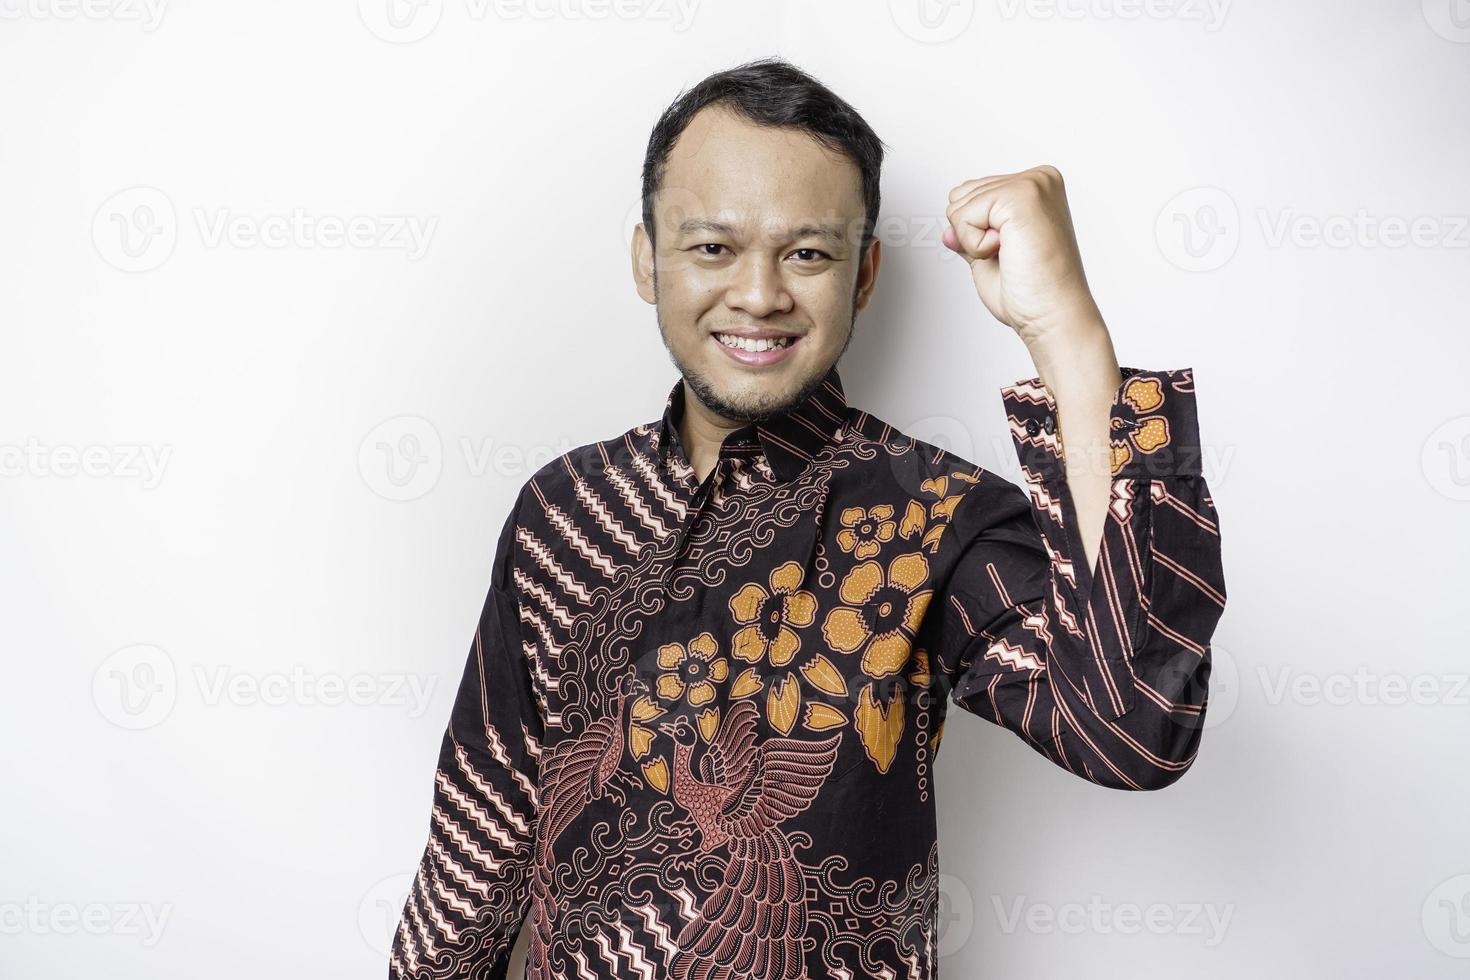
[696, 733]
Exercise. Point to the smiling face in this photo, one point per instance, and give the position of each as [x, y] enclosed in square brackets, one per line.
[756, 276]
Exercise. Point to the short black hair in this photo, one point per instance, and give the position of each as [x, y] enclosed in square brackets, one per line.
[771, 92]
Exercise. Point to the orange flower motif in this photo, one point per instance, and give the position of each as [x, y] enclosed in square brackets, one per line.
[770, 615]
[692, 672]
[1144, 433]
[916, 520]
[864, 531]
[882, 613]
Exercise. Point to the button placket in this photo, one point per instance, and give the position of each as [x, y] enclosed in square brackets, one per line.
[701, 496]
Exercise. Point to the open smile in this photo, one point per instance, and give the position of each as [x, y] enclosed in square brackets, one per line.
[756, 351]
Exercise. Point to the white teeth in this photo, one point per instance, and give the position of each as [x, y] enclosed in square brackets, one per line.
[746, 343]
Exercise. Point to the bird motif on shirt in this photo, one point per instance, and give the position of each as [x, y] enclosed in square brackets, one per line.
[573, 773]
[753, 925]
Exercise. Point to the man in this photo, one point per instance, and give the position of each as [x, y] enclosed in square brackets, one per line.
[696, 733]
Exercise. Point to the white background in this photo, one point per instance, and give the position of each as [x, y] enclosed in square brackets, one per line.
[237, 473]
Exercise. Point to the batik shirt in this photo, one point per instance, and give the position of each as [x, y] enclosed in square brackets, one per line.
[696, 732]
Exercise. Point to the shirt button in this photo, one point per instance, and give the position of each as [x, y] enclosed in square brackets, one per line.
[1050, 424]
[1031, 427]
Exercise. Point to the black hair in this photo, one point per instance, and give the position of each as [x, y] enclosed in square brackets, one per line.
[771, 92]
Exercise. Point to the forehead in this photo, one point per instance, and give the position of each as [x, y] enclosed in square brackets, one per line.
[725, 167]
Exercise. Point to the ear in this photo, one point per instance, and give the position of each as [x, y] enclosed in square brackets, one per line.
[642, 256]
[868, 274]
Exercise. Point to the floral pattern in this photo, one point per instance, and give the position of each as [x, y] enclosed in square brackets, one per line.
[865, 529]
[692, 671]
[770, 618]
[882, 613]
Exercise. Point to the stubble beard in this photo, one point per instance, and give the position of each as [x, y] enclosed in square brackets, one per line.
[715, 402]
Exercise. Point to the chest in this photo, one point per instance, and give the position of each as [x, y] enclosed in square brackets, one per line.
[807, 600]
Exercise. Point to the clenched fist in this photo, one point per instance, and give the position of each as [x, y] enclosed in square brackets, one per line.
[1015, 230]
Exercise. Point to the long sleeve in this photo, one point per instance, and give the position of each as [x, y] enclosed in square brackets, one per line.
[1105, 673]
[470, 895]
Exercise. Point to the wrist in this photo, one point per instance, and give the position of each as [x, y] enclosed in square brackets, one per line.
[1070, 342]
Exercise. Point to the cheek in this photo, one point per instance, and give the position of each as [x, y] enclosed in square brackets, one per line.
[825, 299]
[686, 297]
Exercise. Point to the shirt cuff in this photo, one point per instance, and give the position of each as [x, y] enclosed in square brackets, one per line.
[1153, 422]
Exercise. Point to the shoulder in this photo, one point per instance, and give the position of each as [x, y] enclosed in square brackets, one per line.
[932, 486]
[559, 480]
[911, 462]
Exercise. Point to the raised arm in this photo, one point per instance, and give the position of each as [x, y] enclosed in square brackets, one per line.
[1104, 671]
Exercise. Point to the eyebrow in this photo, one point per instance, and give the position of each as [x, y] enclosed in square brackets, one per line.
[830, 233]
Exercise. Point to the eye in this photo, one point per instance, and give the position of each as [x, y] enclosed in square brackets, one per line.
[709, 245]
[812, 254]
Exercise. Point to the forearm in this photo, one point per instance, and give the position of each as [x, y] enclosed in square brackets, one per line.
[1075, 360]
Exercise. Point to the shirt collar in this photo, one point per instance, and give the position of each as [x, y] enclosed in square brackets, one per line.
[789, 440]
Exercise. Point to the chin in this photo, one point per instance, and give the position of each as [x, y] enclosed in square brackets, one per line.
[737, 392]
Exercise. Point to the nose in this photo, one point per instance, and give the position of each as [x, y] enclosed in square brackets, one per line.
[757, 288]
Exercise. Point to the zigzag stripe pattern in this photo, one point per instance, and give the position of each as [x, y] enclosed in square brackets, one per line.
[663, 938]
[543, 559]
[490, 793]
[605, 520]
[1013, 656]
[636, 952]
[637, 506]
[676, 508]
[529, 617]
[535, 590]
[579, 543]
